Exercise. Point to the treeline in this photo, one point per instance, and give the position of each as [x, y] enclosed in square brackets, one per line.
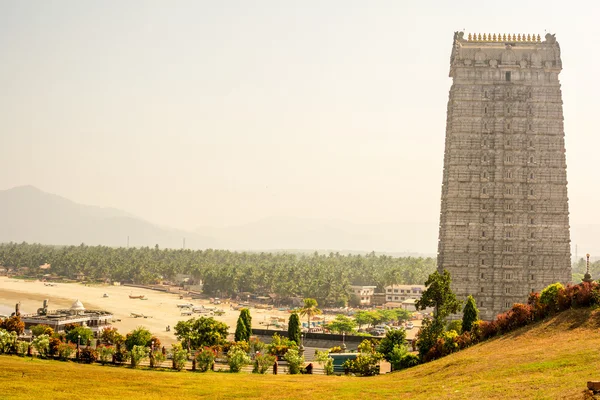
[326, 278]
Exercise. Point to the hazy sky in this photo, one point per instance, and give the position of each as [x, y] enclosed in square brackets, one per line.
[214, 113]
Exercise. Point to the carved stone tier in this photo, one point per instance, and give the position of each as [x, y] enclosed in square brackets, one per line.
[504, 223]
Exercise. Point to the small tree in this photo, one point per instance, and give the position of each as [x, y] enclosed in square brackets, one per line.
[138, 337]
[367, 362]
[294, 360]
[241, 331]
[88, 355]
[470, 314]
[13, 324]
[392, 339]
[342, 324]
[111, 336]
[294, 330]
[157, 357]
[79, 334]
[310, 309]
[200, 332]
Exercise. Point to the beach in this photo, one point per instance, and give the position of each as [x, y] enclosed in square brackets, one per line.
[159, 308]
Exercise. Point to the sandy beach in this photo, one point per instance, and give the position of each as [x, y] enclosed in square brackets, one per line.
[160, 308]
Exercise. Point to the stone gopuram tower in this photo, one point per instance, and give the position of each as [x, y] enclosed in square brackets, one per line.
[504, 221]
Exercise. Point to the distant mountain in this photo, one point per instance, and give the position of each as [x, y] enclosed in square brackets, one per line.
[31, 215]
[304, 234]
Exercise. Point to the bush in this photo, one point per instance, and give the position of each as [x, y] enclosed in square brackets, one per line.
[455, 325]
[262, 363]
[105, 353]
[138, 353]
[157, 358]
[54, 343]
[395, 356]
[121, 354]
[65, 350]
[79, 334]
[41, 329]
[22, 348]
[295, 361]
[179, 355]
[205, 359]
[7, 341]
[256, 345]
[549, 296]
[42, 345]
[366, 364]
[336, 349]
[322, 357]
[88, 355]
[280, 345]
[408, 361]
[237, 358]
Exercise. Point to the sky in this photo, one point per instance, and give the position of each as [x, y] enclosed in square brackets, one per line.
[204, 113]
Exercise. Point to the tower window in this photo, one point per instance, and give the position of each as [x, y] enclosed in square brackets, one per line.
[531, 221]
[507, 76]
[531, 192]
[507, 290]
[531, 265]
[532, 235]
[481, 290]
[482, 276]
[484, 191]
[532, 276]
[483, 220]
[482, 262]
[508, 276]
[482, 233]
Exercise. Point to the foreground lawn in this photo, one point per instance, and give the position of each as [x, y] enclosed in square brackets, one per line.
[551, 360]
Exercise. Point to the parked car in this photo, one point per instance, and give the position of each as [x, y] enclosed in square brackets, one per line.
[410, 325]
[378, 332]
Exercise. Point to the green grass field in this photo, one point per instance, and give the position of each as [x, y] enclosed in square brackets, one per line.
[550, 360]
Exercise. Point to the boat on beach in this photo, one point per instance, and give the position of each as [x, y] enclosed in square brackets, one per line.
[141, 297]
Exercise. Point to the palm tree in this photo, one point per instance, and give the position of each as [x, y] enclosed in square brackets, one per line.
[310, 309]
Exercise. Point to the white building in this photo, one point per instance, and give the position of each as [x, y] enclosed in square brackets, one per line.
[364, 294]
[400, 293]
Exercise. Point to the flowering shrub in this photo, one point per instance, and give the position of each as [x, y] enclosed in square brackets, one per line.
[105, 353]
[205, 359]
[237, 358]
[280, 345]
[336, 349]
[42, 345]
[88, 355]
[65, 350]
[295, 361]
[22, 347]
[7, 341]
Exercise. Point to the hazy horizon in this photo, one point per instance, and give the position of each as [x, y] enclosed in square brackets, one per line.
[203, 114]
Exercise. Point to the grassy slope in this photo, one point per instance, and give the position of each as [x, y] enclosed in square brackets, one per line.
[553, 359]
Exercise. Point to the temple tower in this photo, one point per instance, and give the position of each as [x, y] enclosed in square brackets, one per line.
[504, 221]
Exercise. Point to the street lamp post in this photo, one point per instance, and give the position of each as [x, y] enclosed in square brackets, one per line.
[78, 344]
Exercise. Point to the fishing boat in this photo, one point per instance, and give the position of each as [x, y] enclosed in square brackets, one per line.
[137, 297]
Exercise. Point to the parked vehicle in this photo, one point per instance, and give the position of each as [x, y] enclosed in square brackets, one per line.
[410, 325]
